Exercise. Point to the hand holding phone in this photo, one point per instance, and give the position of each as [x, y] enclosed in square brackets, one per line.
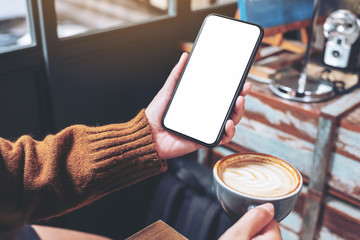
[212, 79]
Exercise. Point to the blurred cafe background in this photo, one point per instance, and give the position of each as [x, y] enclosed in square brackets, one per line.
[94, 62]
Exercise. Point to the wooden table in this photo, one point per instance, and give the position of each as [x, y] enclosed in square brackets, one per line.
[322, 140]
[157, 231]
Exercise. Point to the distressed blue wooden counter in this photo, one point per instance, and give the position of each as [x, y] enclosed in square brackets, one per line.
[323, 141]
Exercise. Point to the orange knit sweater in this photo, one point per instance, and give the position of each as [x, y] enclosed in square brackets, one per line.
[41, 179]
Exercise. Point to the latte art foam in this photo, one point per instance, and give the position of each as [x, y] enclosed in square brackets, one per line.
[261, 179]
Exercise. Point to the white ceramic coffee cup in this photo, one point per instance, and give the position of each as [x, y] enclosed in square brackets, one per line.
[236, 203]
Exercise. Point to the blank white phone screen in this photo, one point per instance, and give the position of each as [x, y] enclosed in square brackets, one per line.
[210, 80]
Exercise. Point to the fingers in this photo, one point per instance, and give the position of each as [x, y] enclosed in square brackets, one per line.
[240, 104]
[229, 132]
[236, 115]
[256, 219]
[246, 89]
[252, 223]
[158, 105]
[271, 231]
[238, 110]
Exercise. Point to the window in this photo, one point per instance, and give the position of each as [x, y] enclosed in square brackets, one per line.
[199, 4]
[80, 16]
[14, 25]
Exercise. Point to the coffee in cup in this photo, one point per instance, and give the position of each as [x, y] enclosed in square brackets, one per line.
[243, 181]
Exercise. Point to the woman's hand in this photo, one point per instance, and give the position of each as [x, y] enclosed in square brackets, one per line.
[169, 145]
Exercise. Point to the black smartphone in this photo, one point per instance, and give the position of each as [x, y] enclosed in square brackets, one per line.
[212, 79]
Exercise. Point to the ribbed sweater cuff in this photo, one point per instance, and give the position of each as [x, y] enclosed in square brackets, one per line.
[123, 154]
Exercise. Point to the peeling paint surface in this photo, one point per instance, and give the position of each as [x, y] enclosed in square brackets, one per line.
[293, 221]
[342, 104]
[264, 139]
[277, 117]
[349, 141]
[353, 117]
[325, 234]
[288, 235]
[224, 151]
[345, 175]
[346, 187]
[344, 207]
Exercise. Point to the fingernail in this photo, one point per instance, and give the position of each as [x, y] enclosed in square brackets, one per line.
[268, 206]
[182, 56]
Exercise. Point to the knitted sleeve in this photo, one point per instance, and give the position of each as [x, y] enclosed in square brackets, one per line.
[41, 179]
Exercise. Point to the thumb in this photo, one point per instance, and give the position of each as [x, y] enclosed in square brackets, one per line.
[251, 223]
[175, 74]
[158, 105]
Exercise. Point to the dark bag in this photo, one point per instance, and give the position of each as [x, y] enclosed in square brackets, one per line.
[185, 200]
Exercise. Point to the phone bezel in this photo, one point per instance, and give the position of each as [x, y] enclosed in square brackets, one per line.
[239, 88]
